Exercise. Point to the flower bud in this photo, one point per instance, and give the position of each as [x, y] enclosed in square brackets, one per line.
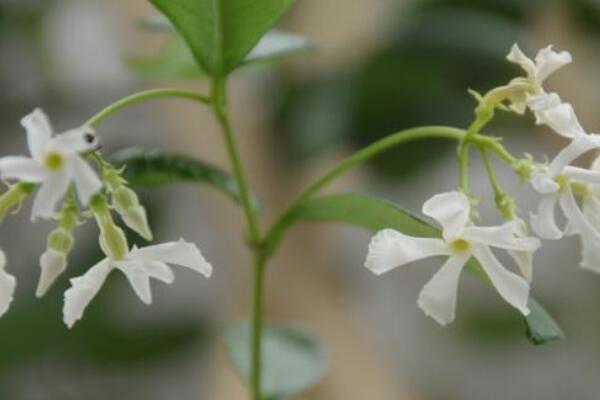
[53, 263]
[15, 195]
[126, 203]
[112, 238]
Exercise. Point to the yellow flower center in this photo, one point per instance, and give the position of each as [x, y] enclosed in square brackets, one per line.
[460, 245]
[562, 181]
[54, 161]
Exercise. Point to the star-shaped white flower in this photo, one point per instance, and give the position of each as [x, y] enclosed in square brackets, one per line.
[554, 181]
[460, 241]
[139, 265]
[8, 284]
[547, 61]
[55, 162]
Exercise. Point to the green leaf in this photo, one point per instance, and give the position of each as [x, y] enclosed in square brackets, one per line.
[154, 168]
[293, 360]
[175, 59]
[220, 33]
[374, 214]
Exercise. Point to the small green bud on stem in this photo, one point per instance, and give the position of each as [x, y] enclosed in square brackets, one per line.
[13, 198]
[112, 238]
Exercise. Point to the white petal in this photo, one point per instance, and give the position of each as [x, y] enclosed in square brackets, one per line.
[52, 190]
[390, 249]
[542, 102]
[590, 248]
[180, 253]
[518, 57]
[573, 151]
[548, 61]
[139, 274]
[8, 283]
[39, 132]
[513, 289]
[577, 219]
[83, 289]
[503, 236]
[596, 164]
[582, 175]
[84, 177]
[561, 119]
[451, 210]
[52, 264]
[438, 297]
[524, 260]
[544, 222]
[543, 182]
[22, 168]
[80, 140]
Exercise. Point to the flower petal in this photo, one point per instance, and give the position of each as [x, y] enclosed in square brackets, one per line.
[390, 249]
[503, 236]
[513, 289]
[39, 132]
[590, 250]
[438, 297]
[582, 175]
[22, 168]
[79, 140]
[84, 177]
[52, 264]
[548, 61]
[561, 119]
[180, 253]
[540, 103]
[518, 57]
[83, 289]
[577, 220]
[543, 182]
[139, 273]
[451, 210]
[575, 149]
[53, 189]
[544, 222]
[8, 283]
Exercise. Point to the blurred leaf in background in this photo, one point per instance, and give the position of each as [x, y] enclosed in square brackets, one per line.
[417, 77]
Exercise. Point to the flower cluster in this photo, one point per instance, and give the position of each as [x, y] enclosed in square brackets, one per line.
[575, 190]
[60, 166]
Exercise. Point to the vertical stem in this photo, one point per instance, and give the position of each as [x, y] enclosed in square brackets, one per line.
[253, 237]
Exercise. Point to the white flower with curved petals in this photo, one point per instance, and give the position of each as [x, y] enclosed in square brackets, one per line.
[547, 61]
[139, 265]
[8, 284]
[55, 162]
[460, 241]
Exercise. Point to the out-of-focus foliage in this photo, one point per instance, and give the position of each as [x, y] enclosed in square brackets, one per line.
[417, 77]
[293, 360]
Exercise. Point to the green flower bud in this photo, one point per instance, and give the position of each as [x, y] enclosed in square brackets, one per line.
[61, 240]
[15, 195]
[126, 203]
[112, 238]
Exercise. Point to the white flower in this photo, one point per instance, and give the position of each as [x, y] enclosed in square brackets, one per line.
[7, 286]
[460, 241]
[554, 181]
[139, 265]
[55, 162]
[547, 61]
[590, 249]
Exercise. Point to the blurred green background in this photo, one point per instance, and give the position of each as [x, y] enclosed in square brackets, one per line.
[381, 66]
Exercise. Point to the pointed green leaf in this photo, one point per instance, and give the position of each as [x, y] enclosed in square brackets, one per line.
[293, 360]
[154, 168]
[220, 33]
[374, 214]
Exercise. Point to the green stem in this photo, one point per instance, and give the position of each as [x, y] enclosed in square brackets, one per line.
[254, 238]
[463, 161]
[498, 192]
[272, 238]
[146, 95]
